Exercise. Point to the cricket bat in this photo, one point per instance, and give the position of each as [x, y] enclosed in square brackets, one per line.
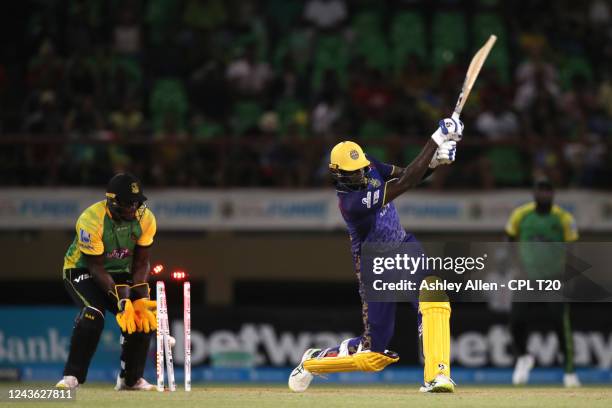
[472, 73]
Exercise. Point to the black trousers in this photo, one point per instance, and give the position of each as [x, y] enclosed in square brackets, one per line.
[94, 304]
[526, 317]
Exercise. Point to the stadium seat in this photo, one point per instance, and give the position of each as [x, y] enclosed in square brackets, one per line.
[370, 41]
[245, 116]
[168, 96]
[160, 15]
[377, 151]
[507, 166]
[296, 43]
[407, 37]
[372, 130]
[331, 53]
[573, 66]
[449, 36]
[287, 108]
[483, 26]
[366, 22]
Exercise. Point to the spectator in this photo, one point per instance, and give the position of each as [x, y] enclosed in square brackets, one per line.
[247, 76]
[44, 116]
[325, 14]
[46, 68]
[84, 121]
[496, 122]
[535, 77]
[127, 34]
[128, 120]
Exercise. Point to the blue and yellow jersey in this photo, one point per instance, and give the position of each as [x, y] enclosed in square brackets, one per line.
[527, 227]
[367, 217]
[98, 234]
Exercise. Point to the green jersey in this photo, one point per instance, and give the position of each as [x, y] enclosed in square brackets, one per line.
[98, 234]
[554, 229]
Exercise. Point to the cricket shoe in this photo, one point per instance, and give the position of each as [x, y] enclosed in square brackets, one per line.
[300, 378]
[439, 384]
[570, 380]
[523, 367]
[69, 382]
[141, 385]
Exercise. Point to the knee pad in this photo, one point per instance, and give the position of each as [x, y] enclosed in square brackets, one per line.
[90, 318]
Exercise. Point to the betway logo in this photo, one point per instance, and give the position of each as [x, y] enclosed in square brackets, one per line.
[261, 340]
[37, 349]
[476, 349]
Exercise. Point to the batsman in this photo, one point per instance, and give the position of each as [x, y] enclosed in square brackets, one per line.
[106, 269]
[366, 189]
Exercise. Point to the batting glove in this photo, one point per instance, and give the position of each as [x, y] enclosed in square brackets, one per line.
[445, 154]
[448, 129]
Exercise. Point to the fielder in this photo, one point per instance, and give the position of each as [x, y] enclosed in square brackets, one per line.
[106, 268]
[366, 189]
[542, 221]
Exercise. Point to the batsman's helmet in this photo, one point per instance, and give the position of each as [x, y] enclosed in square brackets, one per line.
[347, 156]
[347, 164]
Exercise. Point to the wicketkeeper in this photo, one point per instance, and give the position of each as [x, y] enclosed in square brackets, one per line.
[106, 269]
[366, 189]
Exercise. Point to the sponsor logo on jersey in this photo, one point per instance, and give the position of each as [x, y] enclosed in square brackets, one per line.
[120, 253]
[84, 236]
[374, 182]
[82, 277]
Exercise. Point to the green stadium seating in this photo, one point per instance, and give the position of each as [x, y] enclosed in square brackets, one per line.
[572, 66]
[378, 152]
[372, 130]
[407, 37]
[168, 96]
[485, 24]
[507, 166]
[287, 109]
[245, 116]
[449, 36]
[331, 53]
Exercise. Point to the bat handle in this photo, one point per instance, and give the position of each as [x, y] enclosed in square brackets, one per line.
[455, 116]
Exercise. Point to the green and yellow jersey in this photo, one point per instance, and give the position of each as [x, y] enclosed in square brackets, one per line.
[528, 226]
[98, 234]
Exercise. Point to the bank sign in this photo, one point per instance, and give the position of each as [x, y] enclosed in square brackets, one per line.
[40, 337]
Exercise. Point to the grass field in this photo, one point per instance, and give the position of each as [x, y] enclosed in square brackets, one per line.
[229, 396]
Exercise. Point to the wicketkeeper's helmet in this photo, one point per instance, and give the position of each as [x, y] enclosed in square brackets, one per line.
[124, 197]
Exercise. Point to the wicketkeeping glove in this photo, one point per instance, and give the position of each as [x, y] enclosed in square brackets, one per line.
[445, 154]
[126, 315]
[144, 307]
[448, 129]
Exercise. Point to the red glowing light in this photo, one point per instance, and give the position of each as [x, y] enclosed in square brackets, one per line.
[179, 275]
[157, 269]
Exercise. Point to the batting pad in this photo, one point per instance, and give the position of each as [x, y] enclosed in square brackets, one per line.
[436, 338]
[362, 361]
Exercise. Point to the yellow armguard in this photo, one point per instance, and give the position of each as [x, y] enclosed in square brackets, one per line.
[362, 361]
